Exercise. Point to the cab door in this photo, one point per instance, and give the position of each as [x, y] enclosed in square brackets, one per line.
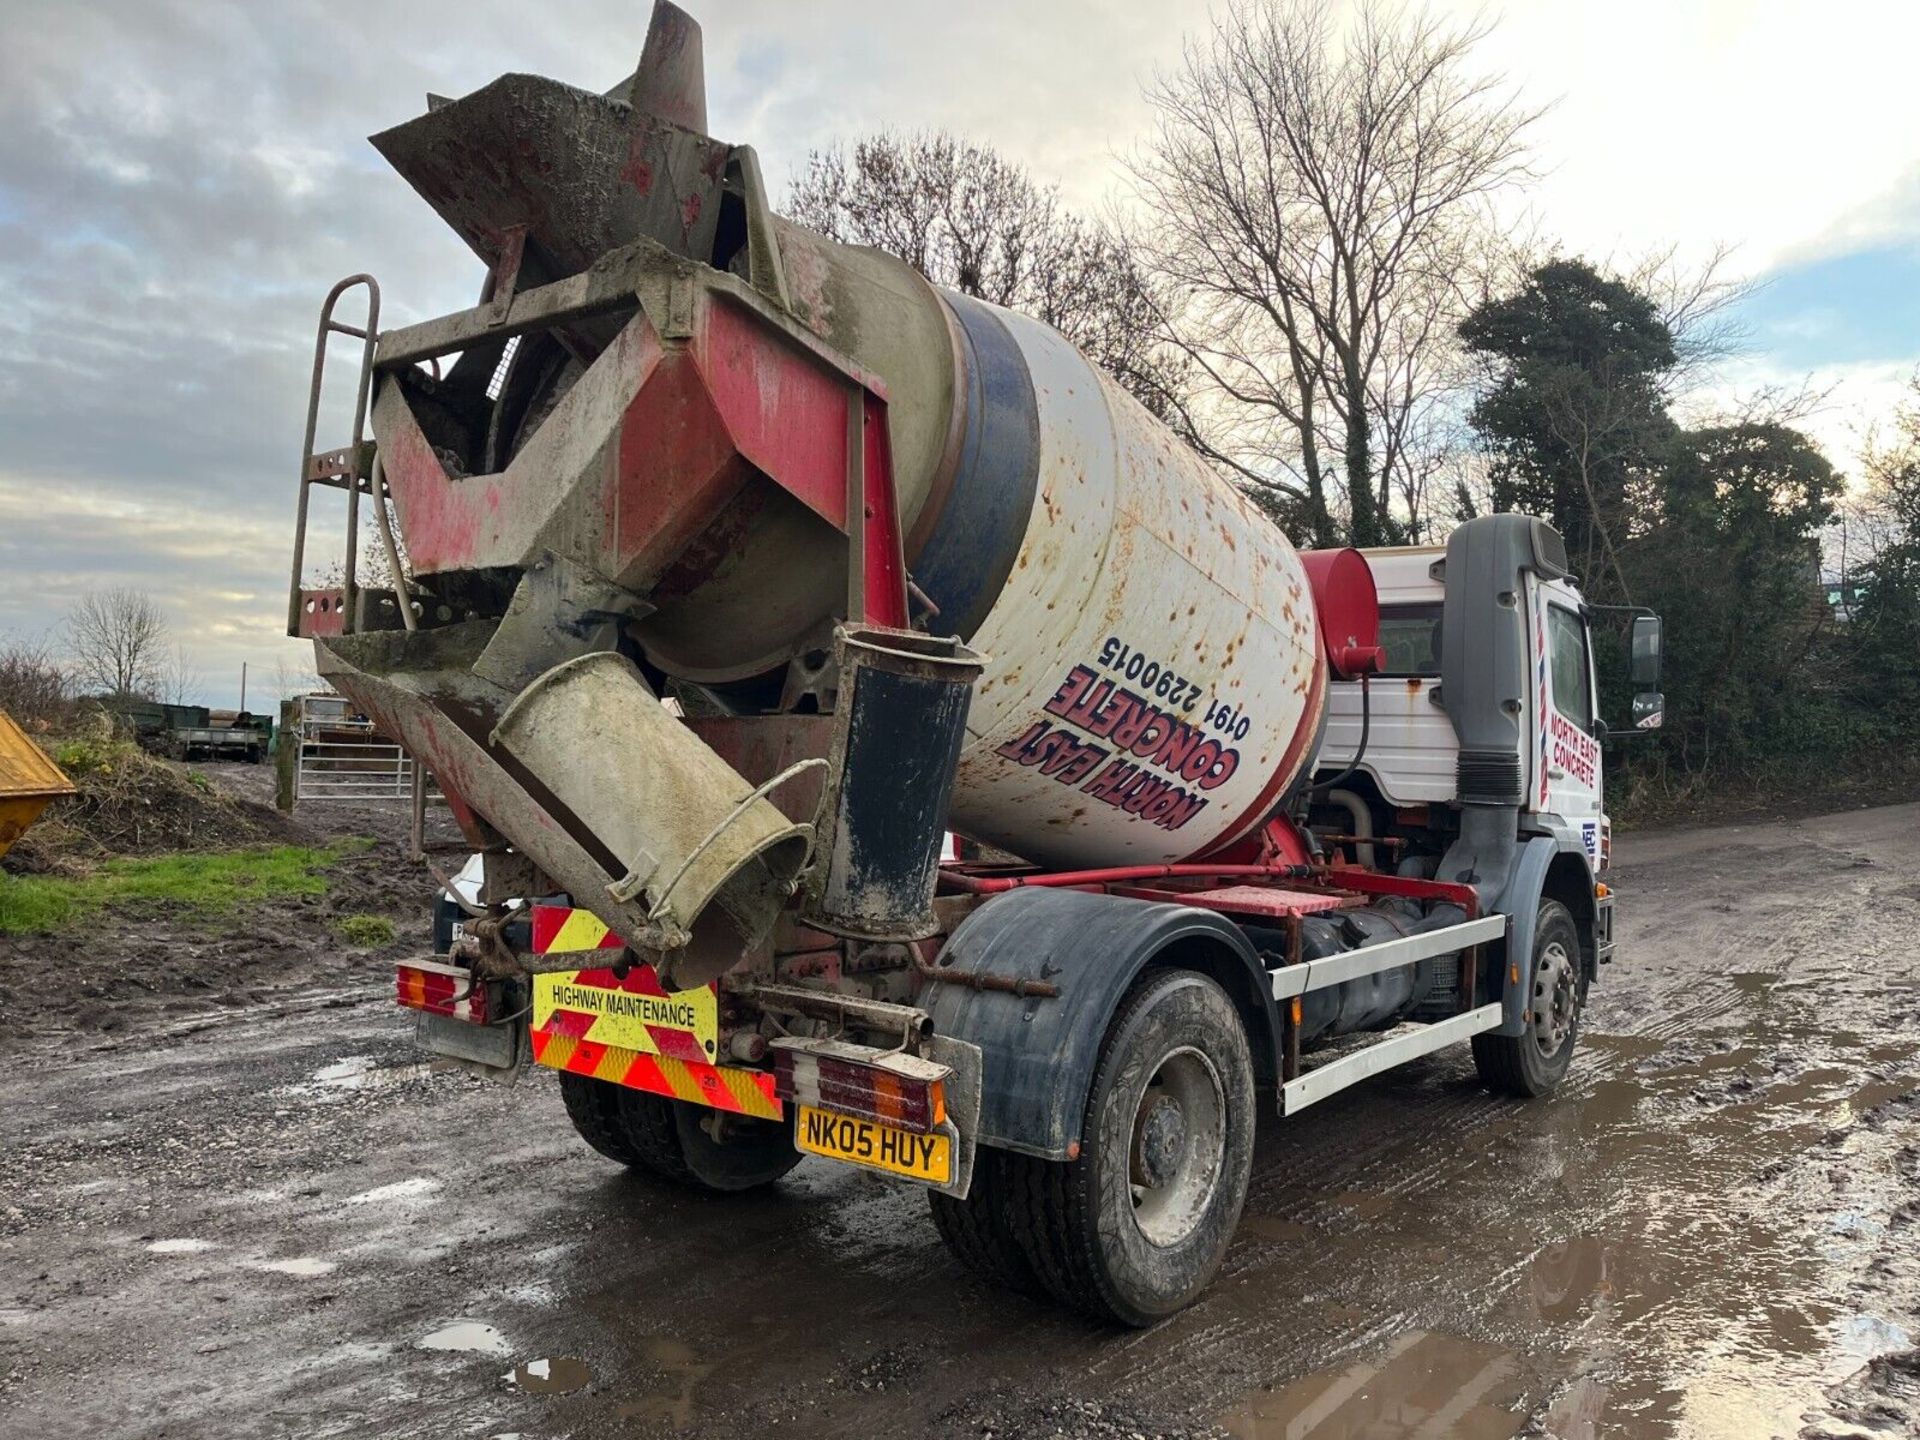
[1566, 776]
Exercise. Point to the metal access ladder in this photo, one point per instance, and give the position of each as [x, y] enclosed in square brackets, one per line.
[355, 469]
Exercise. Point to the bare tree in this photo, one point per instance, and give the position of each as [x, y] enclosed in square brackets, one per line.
[1314, 204]
[119, 643]
[34, 689]
[291, 680]
[1875, 536]
[1698, 304]
[178, 678]
[971, 220]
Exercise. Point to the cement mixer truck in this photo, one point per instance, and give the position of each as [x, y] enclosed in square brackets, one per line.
[729, 570]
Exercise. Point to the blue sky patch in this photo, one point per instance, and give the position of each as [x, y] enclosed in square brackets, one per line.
[1845, 309]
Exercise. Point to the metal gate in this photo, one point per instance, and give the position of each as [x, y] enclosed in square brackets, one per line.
[340, 767]
[343, 757]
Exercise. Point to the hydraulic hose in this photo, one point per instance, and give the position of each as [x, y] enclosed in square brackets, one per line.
[1366, 727]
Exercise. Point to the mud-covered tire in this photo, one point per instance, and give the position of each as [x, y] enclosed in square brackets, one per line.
[976, 1230]
[1533, 1063]
[1133, 1229]
[667, 1139]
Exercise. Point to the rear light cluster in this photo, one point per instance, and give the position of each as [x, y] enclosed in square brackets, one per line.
[441, 990]
[894, 1089]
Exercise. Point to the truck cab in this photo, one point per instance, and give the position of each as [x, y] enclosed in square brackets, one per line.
[1412, 754]
[1472, 753]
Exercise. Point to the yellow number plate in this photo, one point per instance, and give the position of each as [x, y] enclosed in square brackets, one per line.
[880, 1147]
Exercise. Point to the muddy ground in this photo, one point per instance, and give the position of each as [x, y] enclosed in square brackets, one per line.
[162, 964]
[269, 1219]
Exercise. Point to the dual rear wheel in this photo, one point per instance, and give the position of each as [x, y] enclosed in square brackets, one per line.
[671, 1140]
[1130, 1232]
[1134, 1228]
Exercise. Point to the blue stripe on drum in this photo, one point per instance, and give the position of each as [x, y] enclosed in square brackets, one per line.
[976, 539]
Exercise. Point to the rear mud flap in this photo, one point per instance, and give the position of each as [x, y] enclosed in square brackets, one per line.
[963, 1105]
[497, 1052]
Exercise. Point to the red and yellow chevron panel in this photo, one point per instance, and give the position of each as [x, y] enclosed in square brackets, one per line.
[560, 929]
[632, 1011]
[723, 1087]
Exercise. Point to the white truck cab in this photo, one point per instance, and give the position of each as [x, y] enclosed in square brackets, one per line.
[1472, 755]
[1412, 753]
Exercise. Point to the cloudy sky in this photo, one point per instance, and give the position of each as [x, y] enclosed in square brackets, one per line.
[181, 180]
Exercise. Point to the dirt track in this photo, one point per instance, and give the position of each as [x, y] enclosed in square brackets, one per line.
[261, 1221]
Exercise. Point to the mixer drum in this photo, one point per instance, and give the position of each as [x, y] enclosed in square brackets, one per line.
[1155, 677]
[1155, 681]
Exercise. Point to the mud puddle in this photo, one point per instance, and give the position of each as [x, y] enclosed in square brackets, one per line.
[1719, 1231]
[472, 1336]
[353, 1076]
[553, 1375]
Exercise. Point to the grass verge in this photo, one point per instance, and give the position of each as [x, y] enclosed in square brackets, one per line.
[365, 932]
[39, 904]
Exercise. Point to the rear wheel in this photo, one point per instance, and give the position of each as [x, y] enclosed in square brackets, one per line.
[1134, 1228]
[1533, 1063]
[687, 1144]
[976, 1228]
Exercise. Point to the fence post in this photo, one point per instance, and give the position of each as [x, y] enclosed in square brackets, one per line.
[286, 756]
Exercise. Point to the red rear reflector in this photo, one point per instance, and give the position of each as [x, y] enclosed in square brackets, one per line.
[865, 1091]
[440, 990]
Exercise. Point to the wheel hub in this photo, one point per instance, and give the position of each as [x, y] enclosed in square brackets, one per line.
[1178, 1146]
[1163, 1136]
[1556, 997]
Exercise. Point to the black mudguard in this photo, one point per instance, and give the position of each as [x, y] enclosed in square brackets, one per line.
[1038, 1052]
[1520, 903]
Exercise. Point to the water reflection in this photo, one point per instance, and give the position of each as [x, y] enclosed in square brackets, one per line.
[1425, 1386]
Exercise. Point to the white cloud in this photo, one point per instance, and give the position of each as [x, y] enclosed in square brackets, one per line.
[1852, 400]
[1772, 126]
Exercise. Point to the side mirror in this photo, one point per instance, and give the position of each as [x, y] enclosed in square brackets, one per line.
[1647, 645]
[1649, 706]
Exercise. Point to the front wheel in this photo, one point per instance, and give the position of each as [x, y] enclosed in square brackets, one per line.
[1534, 1062]
[687, 1144]
[1134, 1228]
